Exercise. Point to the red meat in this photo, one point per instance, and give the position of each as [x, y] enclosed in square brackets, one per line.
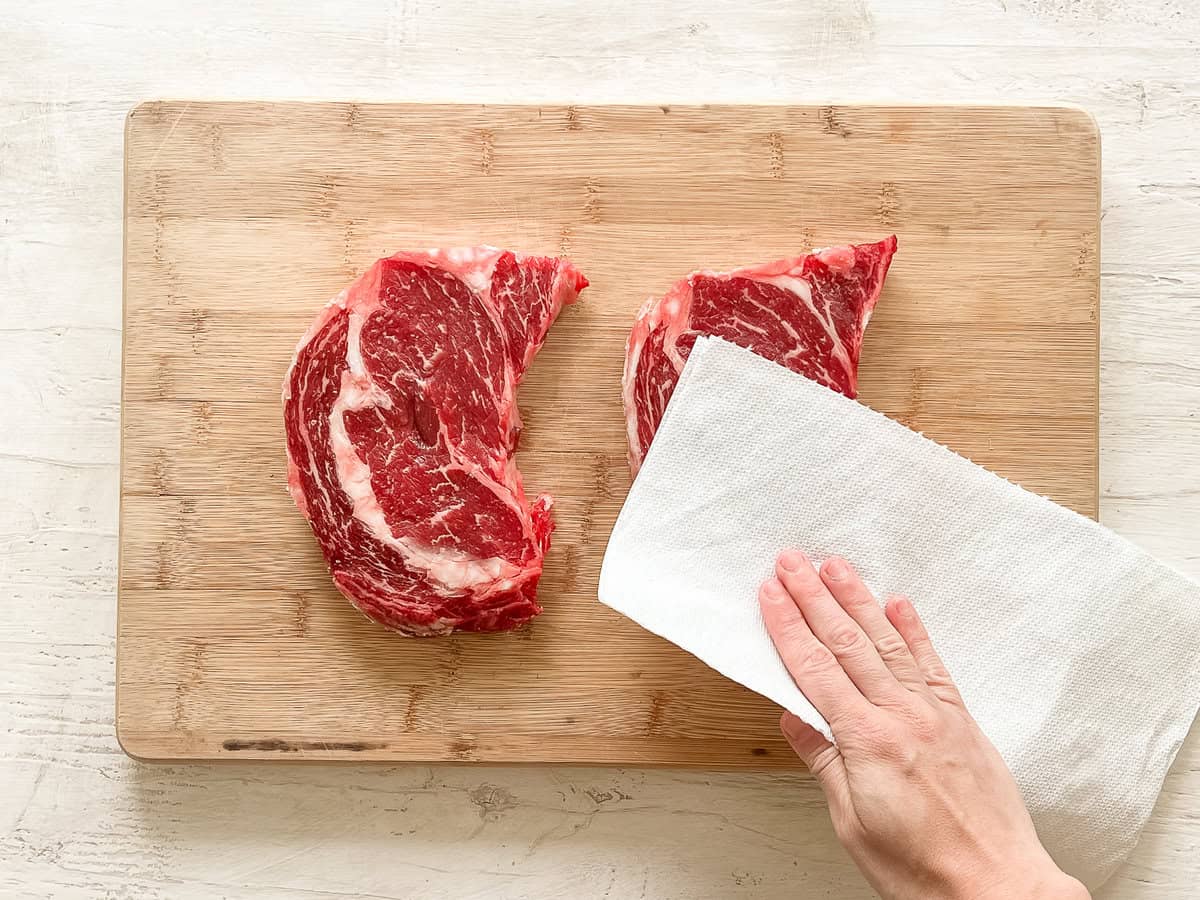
[806, 313]
[401, 419]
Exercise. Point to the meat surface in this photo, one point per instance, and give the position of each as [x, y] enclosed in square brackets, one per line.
[401, 419]
[807, 313]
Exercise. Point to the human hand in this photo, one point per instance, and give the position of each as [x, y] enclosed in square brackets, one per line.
[918, 795]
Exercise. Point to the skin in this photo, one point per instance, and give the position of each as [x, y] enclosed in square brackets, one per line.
[918, 795]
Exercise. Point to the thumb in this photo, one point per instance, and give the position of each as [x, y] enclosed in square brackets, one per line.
[820, 755]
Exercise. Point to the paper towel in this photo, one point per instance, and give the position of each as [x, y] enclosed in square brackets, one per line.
[1078, 654]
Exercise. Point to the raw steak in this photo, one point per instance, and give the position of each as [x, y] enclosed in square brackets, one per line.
[401, 418]
[807, 313]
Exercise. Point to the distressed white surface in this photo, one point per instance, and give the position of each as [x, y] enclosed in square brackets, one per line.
[79, 820]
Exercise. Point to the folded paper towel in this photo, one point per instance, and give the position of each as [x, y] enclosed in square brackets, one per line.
[1078, 654]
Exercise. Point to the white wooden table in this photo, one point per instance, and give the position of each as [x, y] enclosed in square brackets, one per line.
[78, 819]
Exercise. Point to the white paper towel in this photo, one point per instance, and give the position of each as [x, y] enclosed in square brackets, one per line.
[1078, 654]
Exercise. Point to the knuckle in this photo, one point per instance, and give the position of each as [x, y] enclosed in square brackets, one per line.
[891, 648]
[925, 731]
[795, 634]
[904, 755]
[894, 747]
[922, 723]
[918, 644]
[845, 639]
[949, 695]
[861, 600]
[823, 760]
[815, 656]
[938, 675]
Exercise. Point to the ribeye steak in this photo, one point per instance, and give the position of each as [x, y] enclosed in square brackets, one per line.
[401, 419]
[807, 313]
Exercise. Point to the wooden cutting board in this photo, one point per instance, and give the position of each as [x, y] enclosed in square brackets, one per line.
[242, 219]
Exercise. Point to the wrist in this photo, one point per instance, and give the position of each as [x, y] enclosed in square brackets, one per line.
[1049, 883]
[1061, 886]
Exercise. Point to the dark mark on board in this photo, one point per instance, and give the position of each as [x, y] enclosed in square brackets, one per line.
[831, 123]
[775, 147]
[216, 142]
[487, 150]
[889, 204]
[657, 703]
[202, 427]
[463, 748]
[415, 695]
[591, 200]
[300, 619]
[275, 745]
[570, 568]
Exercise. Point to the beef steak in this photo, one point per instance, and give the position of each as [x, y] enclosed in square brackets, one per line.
[807, 313]
[401, 419]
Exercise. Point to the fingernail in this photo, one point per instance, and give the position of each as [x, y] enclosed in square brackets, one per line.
[773, 589]
[834, 567]
[792, 560]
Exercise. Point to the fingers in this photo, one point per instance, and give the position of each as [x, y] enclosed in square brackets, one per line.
[810, 745]
[903, 615]
[813, 667]
[821, 757]
[852, 595]
[835, 629]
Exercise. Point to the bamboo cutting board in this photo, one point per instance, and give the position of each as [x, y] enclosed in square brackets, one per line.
[242, 219]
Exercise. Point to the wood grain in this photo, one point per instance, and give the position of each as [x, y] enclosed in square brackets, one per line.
[243, 218]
